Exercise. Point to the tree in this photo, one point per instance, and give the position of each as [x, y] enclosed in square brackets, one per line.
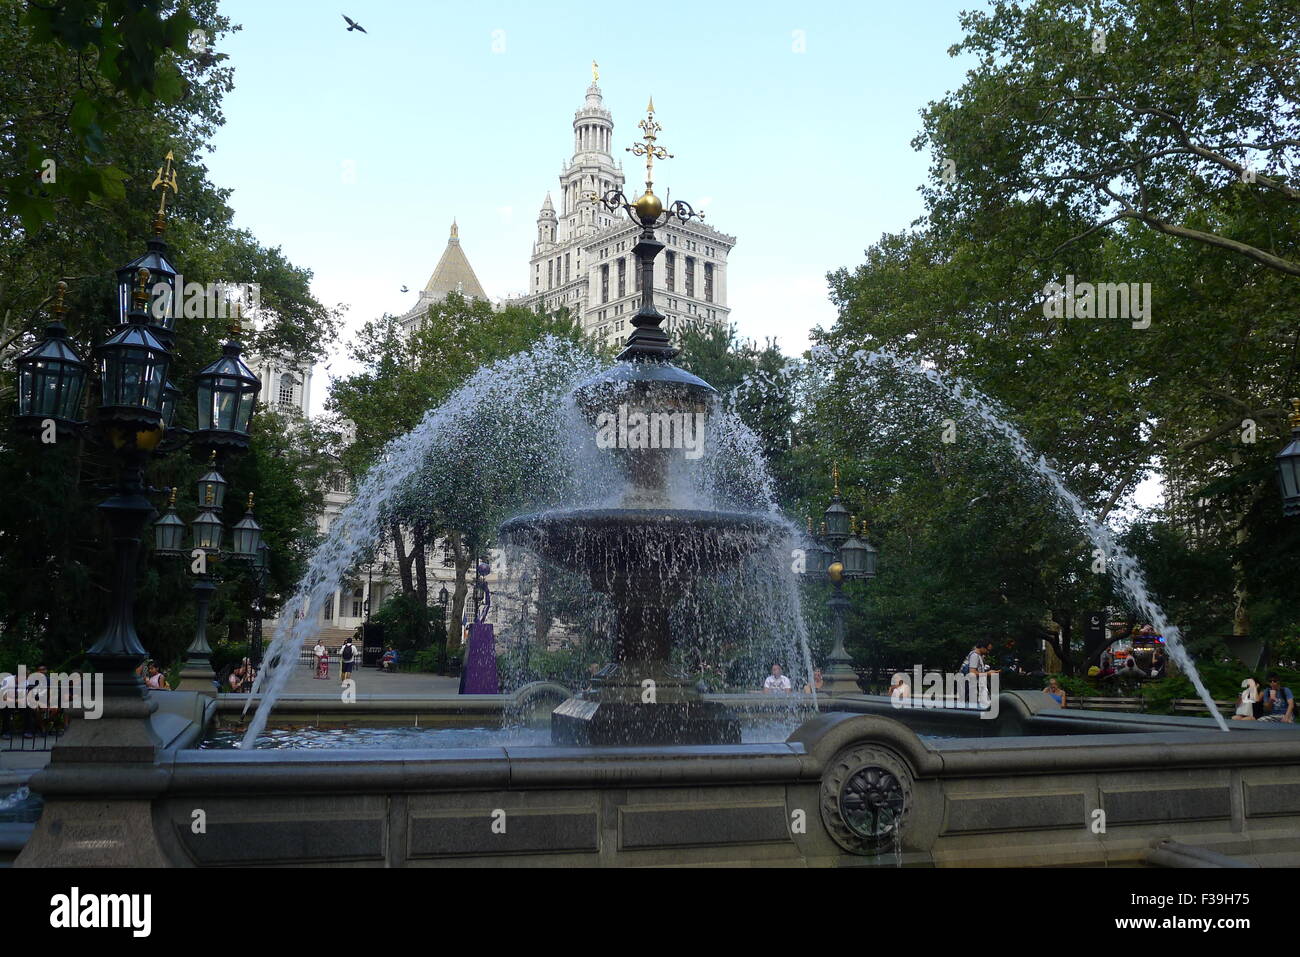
[402, 376]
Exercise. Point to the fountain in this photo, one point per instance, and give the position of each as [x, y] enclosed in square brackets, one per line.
[645, 551]
[436, 780]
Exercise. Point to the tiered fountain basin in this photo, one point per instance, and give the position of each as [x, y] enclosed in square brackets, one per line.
[861, 783]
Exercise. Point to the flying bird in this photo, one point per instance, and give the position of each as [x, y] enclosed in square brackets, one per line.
[353, 25]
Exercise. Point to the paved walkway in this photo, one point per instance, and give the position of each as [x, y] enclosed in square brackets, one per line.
[371, 681]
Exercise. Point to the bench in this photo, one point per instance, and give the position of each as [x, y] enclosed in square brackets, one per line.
[1197, 706]
[1104, 704]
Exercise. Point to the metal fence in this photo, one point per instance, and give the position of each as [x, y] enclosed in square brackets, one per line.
[27, 732]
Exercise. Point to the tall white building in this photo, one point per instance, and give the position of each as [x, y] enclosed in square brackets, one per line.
[582, 259]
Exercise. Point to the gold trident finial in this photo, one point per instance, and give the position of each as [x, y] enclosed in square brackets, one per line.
[166, 179]
[835, 477]
[650, 130]
[595, 73]
[1295, 414]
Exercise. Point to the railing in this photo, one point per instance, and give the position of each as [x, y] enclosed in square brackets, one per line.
[24, 730]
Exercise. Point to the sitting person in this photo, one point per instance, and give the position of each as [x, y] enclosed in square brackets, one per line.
[1279, 703]
[776, 683]
[389, 661]
[900, 689]
[816, 684]
[1247, 701]
[1055, 692]
[235, 680]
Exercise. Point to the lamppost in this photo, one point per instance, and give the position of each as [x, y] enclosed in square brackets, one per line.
[839, 554]
[261, 569]
[136, 409]
[1288, 465]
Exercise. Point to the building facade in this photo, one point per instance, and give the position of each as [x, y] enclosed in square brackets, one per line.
[582, 260]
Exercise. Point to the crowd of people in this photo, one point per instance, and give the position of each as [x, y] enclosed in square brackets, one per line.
[1275, 703]
[348, 654]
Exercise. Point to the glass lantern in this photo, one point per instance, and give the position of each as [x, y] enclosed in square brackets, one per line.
[227, 394]
[169, 531]
[246, 536]
[51, 379]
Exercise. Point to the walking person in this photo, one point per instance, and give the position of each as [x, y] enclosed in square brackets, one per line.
[348, 656]
[322, 659]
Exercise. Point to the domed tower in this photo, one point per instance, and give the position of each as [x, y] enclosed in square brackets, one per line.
[591, 170]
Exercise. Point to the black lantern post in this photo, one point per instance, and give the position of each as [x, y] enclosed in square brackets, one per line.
[261, 570]
[1288, 465]
[841, 552]
[136, 411]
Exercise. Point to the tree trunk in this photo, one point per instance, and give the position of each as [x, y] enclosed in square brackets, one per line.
[419, 557]
[403, 563]
[461, 553]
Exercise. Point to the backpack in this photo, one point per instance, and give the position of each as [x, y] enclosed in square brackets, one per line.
[347, 651]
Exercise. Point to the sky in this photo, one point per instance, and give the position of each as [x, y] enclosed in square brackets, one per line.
[790, 125]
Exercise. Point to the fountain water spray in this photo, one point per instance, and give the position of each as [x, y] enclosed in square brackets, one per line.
[1123, 566]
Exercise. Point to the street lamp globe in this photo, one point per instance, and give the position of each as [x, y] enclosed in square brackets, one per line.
[246, 536]
[160, 297]
[133, 367]
[212, 488]
[227, 393]
[207, 530]
[169, 531]
[51, 378]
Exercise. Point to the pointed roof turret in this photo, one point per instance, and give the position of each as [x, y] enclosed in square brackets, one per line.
[453, 273]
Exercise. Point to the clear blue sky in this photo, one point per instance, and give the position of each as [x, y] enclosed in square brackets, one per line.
[803, 156]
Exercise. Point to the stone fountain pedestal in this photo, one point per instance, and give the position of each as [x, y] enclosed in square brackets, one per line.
[624, 708]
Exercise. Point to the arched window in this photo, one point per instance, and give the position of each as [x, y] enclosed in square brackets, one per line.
[288, 389]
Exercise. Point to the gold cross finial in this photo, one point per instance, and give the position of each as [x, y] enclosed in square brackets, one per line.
[165, 179]
[650, 131]
[595, 73]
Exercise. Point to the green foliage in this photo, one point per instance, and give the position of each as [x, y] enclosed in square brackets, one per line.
[399, 617]
[1115, 167]
[90, 85]
[432, 660]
